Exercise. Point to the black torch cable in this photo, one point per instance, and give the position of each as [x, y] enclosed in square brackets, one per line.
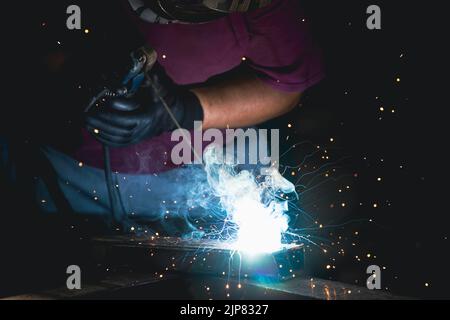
[114, 197]
[118, 212]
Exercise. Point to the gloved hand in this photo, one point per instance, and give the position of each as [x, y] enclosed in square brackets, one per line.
[120, 121]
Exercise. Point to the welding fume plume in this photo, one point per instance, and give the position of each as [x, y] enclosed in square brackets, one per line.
[256, 210]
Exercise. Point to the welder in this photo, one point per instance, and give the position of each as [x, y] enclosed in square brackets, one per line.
[227, 63]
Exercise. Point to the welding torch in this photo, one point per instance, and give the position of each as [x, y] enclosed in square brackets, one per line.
[180, 109]
[138, 76]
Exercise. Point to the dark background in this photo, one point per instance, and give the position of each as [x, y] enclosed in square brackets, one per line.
[407, 233]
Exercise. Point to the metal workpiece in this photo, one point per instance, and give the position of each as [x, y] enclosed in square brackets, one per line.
[208, 257]
[130, 285]
[175, 268]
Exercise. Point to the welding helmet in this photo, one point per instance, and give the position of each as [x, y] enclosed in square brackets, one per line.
[191, 11]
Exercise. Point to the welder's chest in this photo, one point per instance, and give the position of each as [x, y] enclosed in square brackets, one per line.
[192, 53]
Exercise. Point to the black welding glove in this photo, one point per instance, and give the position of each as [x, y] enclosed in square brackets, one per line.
[119, 121]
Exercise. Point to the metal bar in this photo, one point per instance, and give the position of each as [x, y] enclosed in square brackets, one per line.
[144, 286]
[202, 257]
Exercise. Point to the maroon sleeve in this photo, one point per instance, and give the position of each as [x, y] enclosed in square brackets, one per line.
[280, 47]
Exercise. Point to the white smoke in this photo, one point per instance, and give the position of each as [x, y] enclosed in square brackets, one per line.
[255, 208]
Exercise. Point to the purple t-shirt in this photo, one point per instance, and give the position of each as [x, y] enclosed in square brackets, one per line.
[274, 41]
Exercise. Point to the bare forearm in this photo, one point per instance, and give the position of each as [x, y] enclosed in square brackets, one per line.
[243, 101]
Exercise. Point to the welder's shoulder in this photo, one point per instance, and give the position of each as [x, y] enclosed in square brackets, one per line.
[282, 24]
[281, 48]
[277, 8]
